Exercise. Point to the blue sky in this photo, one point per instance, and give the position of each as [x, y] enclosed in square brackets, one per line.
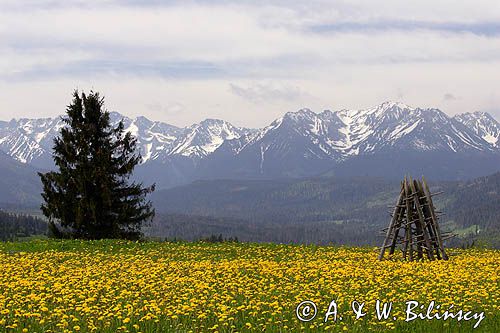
[248, 61]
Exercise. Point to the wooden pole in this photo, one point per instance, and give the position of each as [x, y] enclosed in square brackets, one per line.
[391, 226]
[435, 220]
[407, 225]
[427, 210]
[421, 218]
[399, 223]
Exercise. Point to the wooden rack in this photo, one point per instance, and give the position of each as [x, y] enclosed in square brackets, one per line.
[414, 224]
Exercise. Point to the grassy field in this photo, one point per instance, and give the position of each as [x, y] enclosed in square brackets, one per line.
[109, 286]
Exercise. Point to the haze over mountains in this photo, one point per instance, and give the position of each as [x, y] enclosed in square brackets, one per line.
[387, 140]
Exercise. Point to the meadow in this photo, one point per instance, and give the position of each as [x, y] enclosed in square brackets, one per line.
[109, 286]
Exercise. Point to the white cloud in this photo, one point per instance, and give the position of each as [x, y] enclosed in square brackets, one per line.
[348, 54]
[170, 108]
[268, 92]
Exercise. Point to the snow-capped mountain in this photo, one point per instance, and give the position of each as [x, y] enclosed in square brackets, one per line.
[341, 134]
[31, 140]
[304, 142]
[202, 139]
[154, 139]
[300, 143]
[391, 126]
[180, 163]
[483, 124]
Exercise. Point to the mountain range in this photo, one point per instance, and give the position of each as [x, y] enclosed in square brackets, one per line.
[387, 140]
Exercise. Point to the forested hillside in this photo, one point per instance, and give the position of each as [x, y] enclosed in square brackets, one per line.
[13, 226]
[315, 210]
[475, 207]
[324, 210]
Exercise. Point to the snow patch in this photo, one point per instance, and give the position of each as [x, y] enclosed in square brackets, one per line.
[133, 129]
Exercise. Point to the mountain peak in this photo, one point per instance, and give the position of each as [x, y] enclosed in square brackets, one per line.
[483, 125]
[390, 104]
[378, 110]
[203, 138]
[212, 121]
[115, 114]
[300, 114]
[483, 114]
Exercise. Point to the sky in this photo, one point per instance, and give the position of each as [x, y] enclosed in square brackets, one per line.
[248, 62]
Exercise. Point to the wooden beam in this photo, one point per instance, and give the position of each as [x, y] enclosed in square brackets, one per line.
[435, 219]
[421, 218]
[408, 237]
[429, 225]
[396, 232]
[391, 225]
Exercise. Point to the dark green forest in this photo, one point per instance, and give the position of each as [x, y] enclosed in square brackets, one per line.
[315, 210]
[16, 226]
[323, 210]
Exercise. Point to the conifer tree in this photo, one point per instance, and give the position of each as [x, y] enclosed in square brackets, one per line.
[91, 195]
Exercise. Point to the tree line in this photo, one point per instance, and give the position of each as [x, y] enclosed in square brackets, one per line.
[15, 226]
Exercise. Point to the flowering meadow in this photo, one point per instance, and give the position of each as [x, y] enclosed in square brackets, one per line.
[110, 286]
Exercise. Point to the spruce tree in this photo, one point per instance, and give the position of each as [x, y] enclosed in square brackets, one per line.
[91, 195]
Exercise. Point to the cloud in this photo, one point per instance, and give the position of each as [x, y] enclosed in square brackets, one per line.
[267, 92]
[170, 109]
[346, 53]
[480, 28]
[449, 97]
[113, 68]
[203, 39]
